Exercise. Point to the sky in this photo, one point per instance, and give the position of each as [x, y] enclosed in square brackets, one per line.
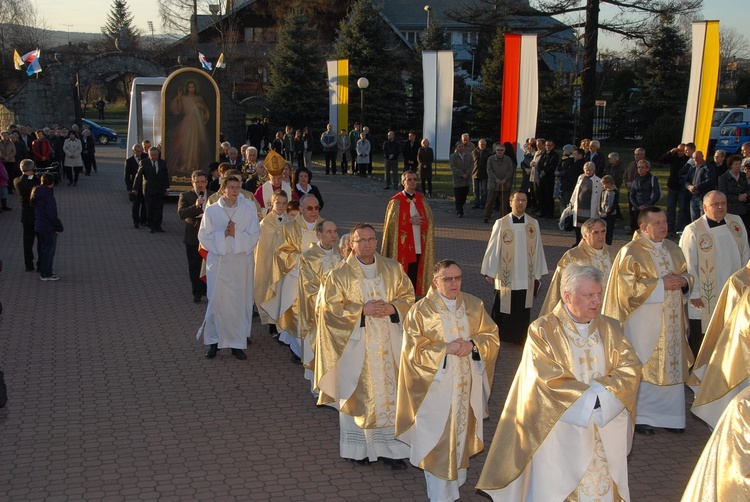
[90, 15]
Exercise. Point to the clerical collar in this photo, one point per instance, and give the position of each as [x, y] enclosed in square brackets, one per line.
[451, 304]
[364, 265]
[714, 224]
[310, 226]
[579, 325]
[657, 245]
[516, 219]
[326, 251]
[409, 195]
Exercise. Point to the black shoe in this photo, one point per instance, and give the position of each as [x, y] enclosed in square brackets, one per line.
[160, 230]
[212, 350]
[135, 225]
[144, 223]
[387, 187]
[239, 354]
[363, 461]
[294, 357]
[475, 207]
[396, 465]
[486, 220]
[151, 231]
[196, 298]
[249, 341]
[29, 269]
[460, 215]
[674, 431]
[645, 429]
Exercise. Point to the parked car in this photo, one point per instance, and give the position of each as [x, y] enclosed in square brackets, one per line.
[103, 135]
[732, 136]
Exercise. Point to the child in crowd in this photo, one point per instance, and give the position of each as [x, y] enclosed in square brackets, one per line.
[609, 205]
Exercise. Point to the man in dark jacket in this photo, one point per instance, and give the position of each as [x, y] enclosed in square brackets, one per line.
[190, 208]
[481, 155]
[411, 148]
[700, 179]
[24, 184]
[391, 151]
[154, 178]
[135, 192]
[548, 162]
[676, 159]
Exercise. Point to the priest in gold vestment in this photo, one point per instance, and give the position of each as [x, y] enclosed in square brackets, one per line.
[722, 470]
[592, 250]
[567, 424]
[727, 371]
[445, 378]
[314, 264]
[358, 349]
[281, 303]
[647, 291]
[269, 225]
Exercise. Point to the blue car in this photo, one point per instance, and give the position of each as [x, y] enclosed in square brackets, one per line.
[103, 135]
[732, 137]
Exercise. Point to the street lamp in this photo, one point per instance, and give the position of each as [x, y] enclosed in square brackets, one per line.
[363, 84]
[427, 9]
[151, 27]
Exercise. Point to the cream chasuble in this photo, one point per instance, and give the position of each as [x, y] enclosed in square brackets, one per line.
[728, 370]
[314, 264]
[264, 261]
[551, 422]
[515, 258]
[582, 254]
[268, 190]
[729, 299]
[281, 304]
[699, 244]
[357, 366]
[722, 471]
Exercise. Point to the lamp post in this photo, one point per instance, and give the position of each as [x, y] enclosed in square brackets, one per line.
[151, 27]
[363, 84]
[427, 9]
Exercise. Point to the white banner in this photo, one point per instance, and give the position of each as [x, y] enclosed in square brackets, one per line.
[437, 67]
[528, 94]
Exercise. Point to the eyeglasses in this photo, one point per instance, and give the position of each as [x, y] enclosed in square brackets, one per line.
[499, 149]
[718, 204]
[457, 278]
[367, 241]
[311, 208]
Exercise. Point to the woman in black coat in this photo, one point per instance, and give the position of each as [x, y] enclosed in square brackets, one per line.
[303, 186]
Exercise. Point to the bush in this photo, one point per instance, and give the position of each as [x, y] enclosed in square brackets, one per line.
[663, 133]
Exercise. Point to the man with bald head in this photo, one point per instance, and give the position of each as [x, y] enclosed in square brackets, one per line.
[700, 243]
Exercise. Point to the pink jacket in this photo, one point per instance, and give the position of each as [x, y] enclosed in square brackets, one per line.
[3, 176]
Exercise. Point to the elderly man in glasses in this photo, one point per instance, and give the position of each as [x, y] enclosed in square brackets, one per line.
[358, 347]
[293, 239]
[446, 372]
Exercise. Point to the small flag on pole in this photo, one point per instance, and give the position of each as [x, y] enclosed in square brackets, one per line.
[220, 63]
[17, 61]
[30, 56]
[204, 62]
[34, 67]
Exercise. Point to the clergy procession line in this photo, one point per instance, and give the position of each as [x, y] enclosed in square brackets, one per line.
[390, 341]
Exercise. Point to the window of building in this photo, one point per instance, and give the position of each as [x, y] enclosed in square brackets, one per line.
[254, 34]
[469, 38]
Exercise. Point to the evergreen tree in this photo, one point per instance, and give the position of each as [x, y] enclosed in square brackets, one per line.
[374, 52]
[120, 20]
[555, 119]
[297, 83]
[665, 70]
[488, 96]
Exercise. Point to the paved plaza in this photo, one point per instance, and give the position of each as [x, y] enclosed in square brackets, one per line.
[111, 399]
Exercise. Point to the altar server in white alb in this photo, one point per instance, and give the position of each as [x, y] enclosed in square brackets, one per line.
[229, 232]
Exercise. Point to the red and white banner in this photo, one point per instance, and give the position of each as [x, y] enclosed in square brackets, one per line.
[520, 91]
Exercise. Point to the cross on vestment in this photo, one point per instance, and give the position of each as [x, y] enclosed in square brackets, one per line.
[674, 363]
[588, 360]
[664, 262]
[673, 316]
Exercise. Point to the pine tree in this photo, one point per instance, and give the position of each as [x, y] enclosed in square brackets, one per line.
[120, 20]
[297, 83]
[487, 98]
[375, 53]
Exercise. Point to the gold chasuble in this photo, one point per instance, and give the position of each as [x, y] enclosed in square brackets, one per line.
[728, 371]
[356, 367]
[264, 254]
[314, 264]
[636, 272]
[729, 299]
[582, 254]
[281, 302]
[442, 399]
[571, 405]
[399, 237]
[721, 474]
